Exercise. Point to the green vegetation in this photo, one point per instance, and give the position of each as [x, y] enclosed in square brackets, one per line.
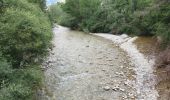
[137, 17]
[25, 36]
[102, 16]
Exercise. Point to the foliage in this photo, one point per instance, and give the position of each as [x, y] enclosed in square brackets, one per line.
[25, 36]
[102, 16]
[77, 14]
[57, 15]
[25, 32]
[18, 84]
[138, 17]
[162, 21]
[55, 12]
[41, 3]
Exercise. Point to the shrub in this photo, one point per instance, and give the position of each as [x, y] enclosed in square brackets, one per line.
[18, 84]
[25, 32]
[25, 36]
[16, 92]
[157, 20]
[5, 72]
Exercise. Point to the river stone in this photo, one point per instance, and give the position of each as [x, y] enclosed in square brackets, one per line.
[121, 66]
[122, 89]
[125, 97]
[106, 88]
[116, 57]
[87, 46]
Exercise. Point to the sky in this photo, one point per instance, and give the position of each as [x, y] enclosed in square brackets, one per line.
[49, 2]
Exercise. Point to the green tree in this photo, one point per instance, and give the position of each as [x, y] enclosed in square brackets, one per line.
[41, 3]
[81, 11]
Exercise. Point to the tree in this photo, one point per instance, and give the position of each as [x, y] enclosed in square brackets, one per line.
[81, 11]
[41, 3]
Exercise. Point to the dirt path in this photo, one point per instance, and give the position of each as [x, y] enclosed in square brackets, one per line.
[88, 67]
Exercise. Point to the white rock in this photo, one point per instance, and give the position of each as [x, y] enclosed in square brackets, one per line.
[106, 88]
[121, 66]
[130, 95]
[125, 97]
[116, 88]
[103, 70]
[121, 89]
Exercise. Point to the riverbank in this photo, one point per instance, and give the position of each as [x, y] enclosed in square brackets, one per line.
[149, 48]
[144, 68]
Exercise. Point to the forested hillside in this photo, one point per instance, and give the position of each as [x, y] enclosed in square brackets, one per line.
[25, 34]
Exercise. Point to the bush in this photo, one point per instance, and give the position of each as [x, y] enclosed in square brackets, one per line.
[156, 21]
[57, 15]
[9, 90]
[18, 84]
[25, 32]
[161, 27]
[25, 36]
[5, 72]
[16, 92]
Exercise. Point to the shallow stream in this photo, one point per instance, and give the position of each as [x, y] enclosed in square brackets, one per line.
[102, 67]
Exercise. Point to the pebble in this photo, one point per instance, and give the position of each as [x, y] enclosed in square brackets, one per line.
[125, 97]
[111, 64]
[106, 88]
[91, 63]
[99, 57]
[109, 60]
[80, 61]
[116, 58]
[52, 53]
[131, 95]
[127, 83]
[100, 52]
[121, 66]
[121, 89]
[121, 73]
[116, 88]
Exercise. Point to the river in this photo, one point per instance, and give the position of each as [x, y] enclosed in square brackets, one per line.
[83, 66]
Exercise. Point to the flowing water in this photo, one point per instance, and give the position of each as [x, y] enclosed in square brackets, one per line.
[89, 67]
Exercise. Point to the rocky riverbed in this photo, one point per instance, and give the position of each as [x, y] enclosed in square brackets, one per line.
[94, 67]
